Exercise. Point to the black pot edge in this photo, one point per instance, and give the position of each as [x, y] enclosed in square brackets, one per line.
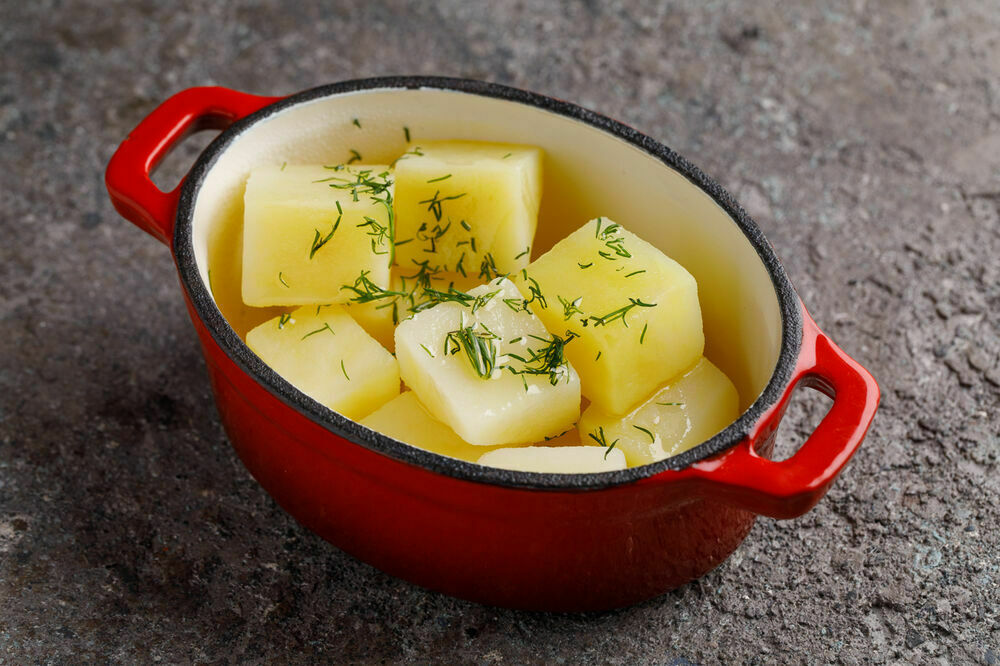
[236, 349]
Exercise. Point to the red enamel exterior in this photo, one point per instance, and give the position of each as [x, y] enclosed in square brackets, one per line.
[540, 549]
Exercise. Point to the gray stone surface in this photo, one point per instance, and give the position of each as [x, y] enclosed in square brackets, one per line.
[864, 136]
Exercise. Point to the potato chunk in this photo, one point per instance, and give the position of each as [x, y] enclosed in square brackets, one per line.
[325, 354]
[405, 419]
[305, 233]
[635, 310]
[676, 418]
[487, 367]
[379, 311]
[556, 459]
[466, 202]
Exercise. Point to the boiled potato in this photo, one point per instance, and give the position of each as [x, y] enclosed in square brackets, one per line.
[679, 416]
[556, 459]
[468, 206]
[308, 230]
[635, 311]
[380, 311]
[488, 368]
[325, 354]
[405, 419]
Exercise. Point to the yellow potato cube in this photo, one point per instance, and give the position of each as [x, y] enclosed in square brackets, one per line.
[405, 419]
[556, 459]
[462, 203]
[635, 310]
[322, 352]
[309, 229]
[379, 311]
[676, 418]
[486, 366]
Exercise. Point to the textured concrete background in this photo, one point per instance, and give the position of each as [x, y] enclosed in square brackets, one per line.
[864, 139]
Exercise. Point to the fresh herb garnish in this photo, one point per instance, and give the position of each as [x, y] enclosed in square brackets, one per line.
[480, 348]
[439, 179]
[318, 242]
[527, 250]
[355, 156]
[600, 439]
[585, 265]
[281, 279]
[549, 359]
[356, 123]
[466, 225]
[434, 203]
[671, 404]
[570, 308]
[325, 327]
[642, 336]
[429, 352]
[652, 437]
[344, 370]
[406, 133]
[283, 319]
[619, 313]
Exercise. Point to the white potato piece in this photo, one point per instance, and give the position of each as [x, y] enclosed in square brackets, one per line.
[676, 418]
[488, 368]
[556, 459]
[635, 310]
[306, 234]
[466, 202]
[405, 419]
[325, 354]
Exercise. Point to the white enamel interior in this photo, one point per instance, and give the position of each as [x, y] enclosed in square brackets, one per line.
[588, 173]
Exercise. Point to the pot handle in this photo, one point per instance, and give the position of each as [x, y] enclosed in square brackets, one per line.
[789, 488]
[133, 193]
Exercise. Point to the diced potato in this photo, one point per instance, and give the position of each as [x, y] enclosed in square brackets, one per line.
[676, 418]
[635, 310]
[460, 201]
[379, 311]
[305, 234]
[461, 360]
[556, 459]
[325, 354]
[405, 419]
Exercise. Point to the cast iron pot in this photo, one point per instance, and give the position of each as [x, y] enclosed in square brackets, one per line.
[515, 539]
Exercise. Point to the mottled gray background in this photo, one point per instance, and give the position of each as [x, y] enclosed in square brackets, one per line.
[863, 136]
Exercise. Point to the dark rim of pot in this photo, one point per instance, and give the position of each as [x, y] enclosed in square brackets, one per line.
[236, 349]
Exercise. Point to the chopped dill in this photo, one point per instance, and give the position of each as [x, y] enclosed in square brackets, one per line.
[281, 279]
[429, 352]
[619, 313]
[283, 319]
[598, 357]
[483, 300]
[283, 165]
[325, 327]
[527, 250]
[318, 242]
[671, 404]
[536, 292]
[570, 308]
[549, 359]
[466, 225]
[355, 156]
[652, 437]
[356, 123]
[380, 234]
[366, 291]
[439, 178]
[600, 439]
[344, 370]
[488, 268]
[628, 275]
[434, 203]
[585, 265]
[406, 133]
[479, 348]
[506, 156]
[642, 336]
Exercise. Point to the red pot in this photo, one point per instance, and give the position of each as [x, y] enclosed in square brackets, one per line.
[517, 539]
